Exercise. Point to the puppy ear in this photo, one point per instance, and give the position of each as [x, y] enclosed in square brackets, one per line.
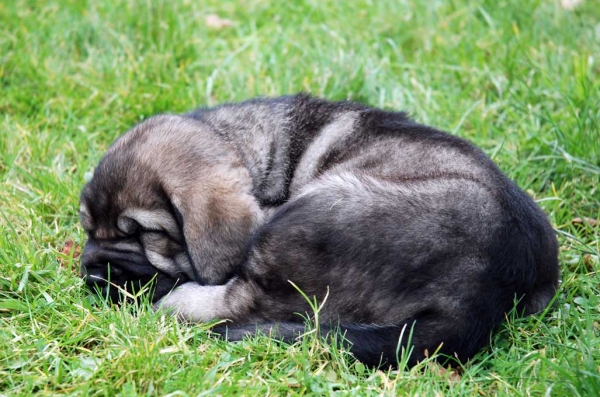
[217, 222]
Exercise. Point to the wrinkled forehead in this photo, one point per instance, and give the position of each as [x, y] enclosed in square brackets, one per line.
[119, 180]
[127, 177]
[105, 214]
[153, 219]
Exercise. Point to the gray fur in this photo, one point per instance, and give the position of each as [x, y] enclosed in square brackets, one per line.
[398, 223]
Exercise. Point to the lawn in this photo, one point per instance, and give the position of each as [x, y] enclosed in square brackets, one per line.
[519, 78]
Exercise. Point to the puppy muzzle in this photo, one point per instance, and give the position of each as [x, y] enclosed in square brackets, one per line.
[111, 272]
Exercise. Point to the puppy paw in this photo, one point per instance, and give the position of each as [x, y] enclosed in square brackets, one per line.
[195, 303]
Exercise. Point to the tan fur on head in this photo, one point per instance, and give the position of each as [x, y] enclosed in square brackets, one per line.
[206, 186]
[217, 219]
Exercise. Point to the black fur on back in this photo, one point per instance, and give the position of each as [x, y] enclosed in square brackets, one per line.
[449, 285]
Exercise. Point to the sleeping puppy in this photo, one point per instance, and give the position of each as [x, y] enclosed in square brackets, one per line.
[405, 229]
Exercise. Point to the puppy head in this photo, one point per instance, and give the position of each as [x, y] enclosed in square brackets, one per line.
[168, 201]
[133, 237]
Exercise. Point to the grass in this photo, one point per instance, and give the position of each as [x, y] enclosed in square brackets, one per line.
[519, 78]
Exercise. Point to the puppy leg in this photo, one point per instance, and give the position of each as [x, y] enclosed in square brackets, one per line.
[202, 303]
[194, 302]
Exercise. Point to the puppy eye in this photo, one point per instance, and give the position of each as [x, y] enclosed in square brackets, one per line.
[128, 225]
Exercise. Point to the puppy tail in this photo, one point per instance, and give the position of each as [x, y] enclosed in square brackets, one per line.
[396, 345]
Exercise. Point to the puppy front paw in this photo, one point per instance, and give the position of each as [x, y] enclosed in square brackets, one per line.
[195, 303]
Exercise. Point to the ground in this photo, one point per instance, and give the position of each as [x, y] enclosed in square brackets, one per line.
[519, 78]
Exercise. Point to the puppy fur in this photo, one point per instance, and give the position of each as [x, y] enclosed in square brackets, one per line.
[405, 229]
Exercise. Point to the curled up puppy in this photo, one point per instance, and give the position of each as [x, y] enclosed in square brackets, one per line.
[406, 228]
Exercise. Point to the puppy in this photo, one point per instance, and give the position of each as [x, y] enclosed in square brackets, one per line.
[405, 230]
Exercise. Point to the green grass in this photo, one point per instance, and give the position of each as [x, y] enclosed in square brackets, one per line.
[519, 78]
